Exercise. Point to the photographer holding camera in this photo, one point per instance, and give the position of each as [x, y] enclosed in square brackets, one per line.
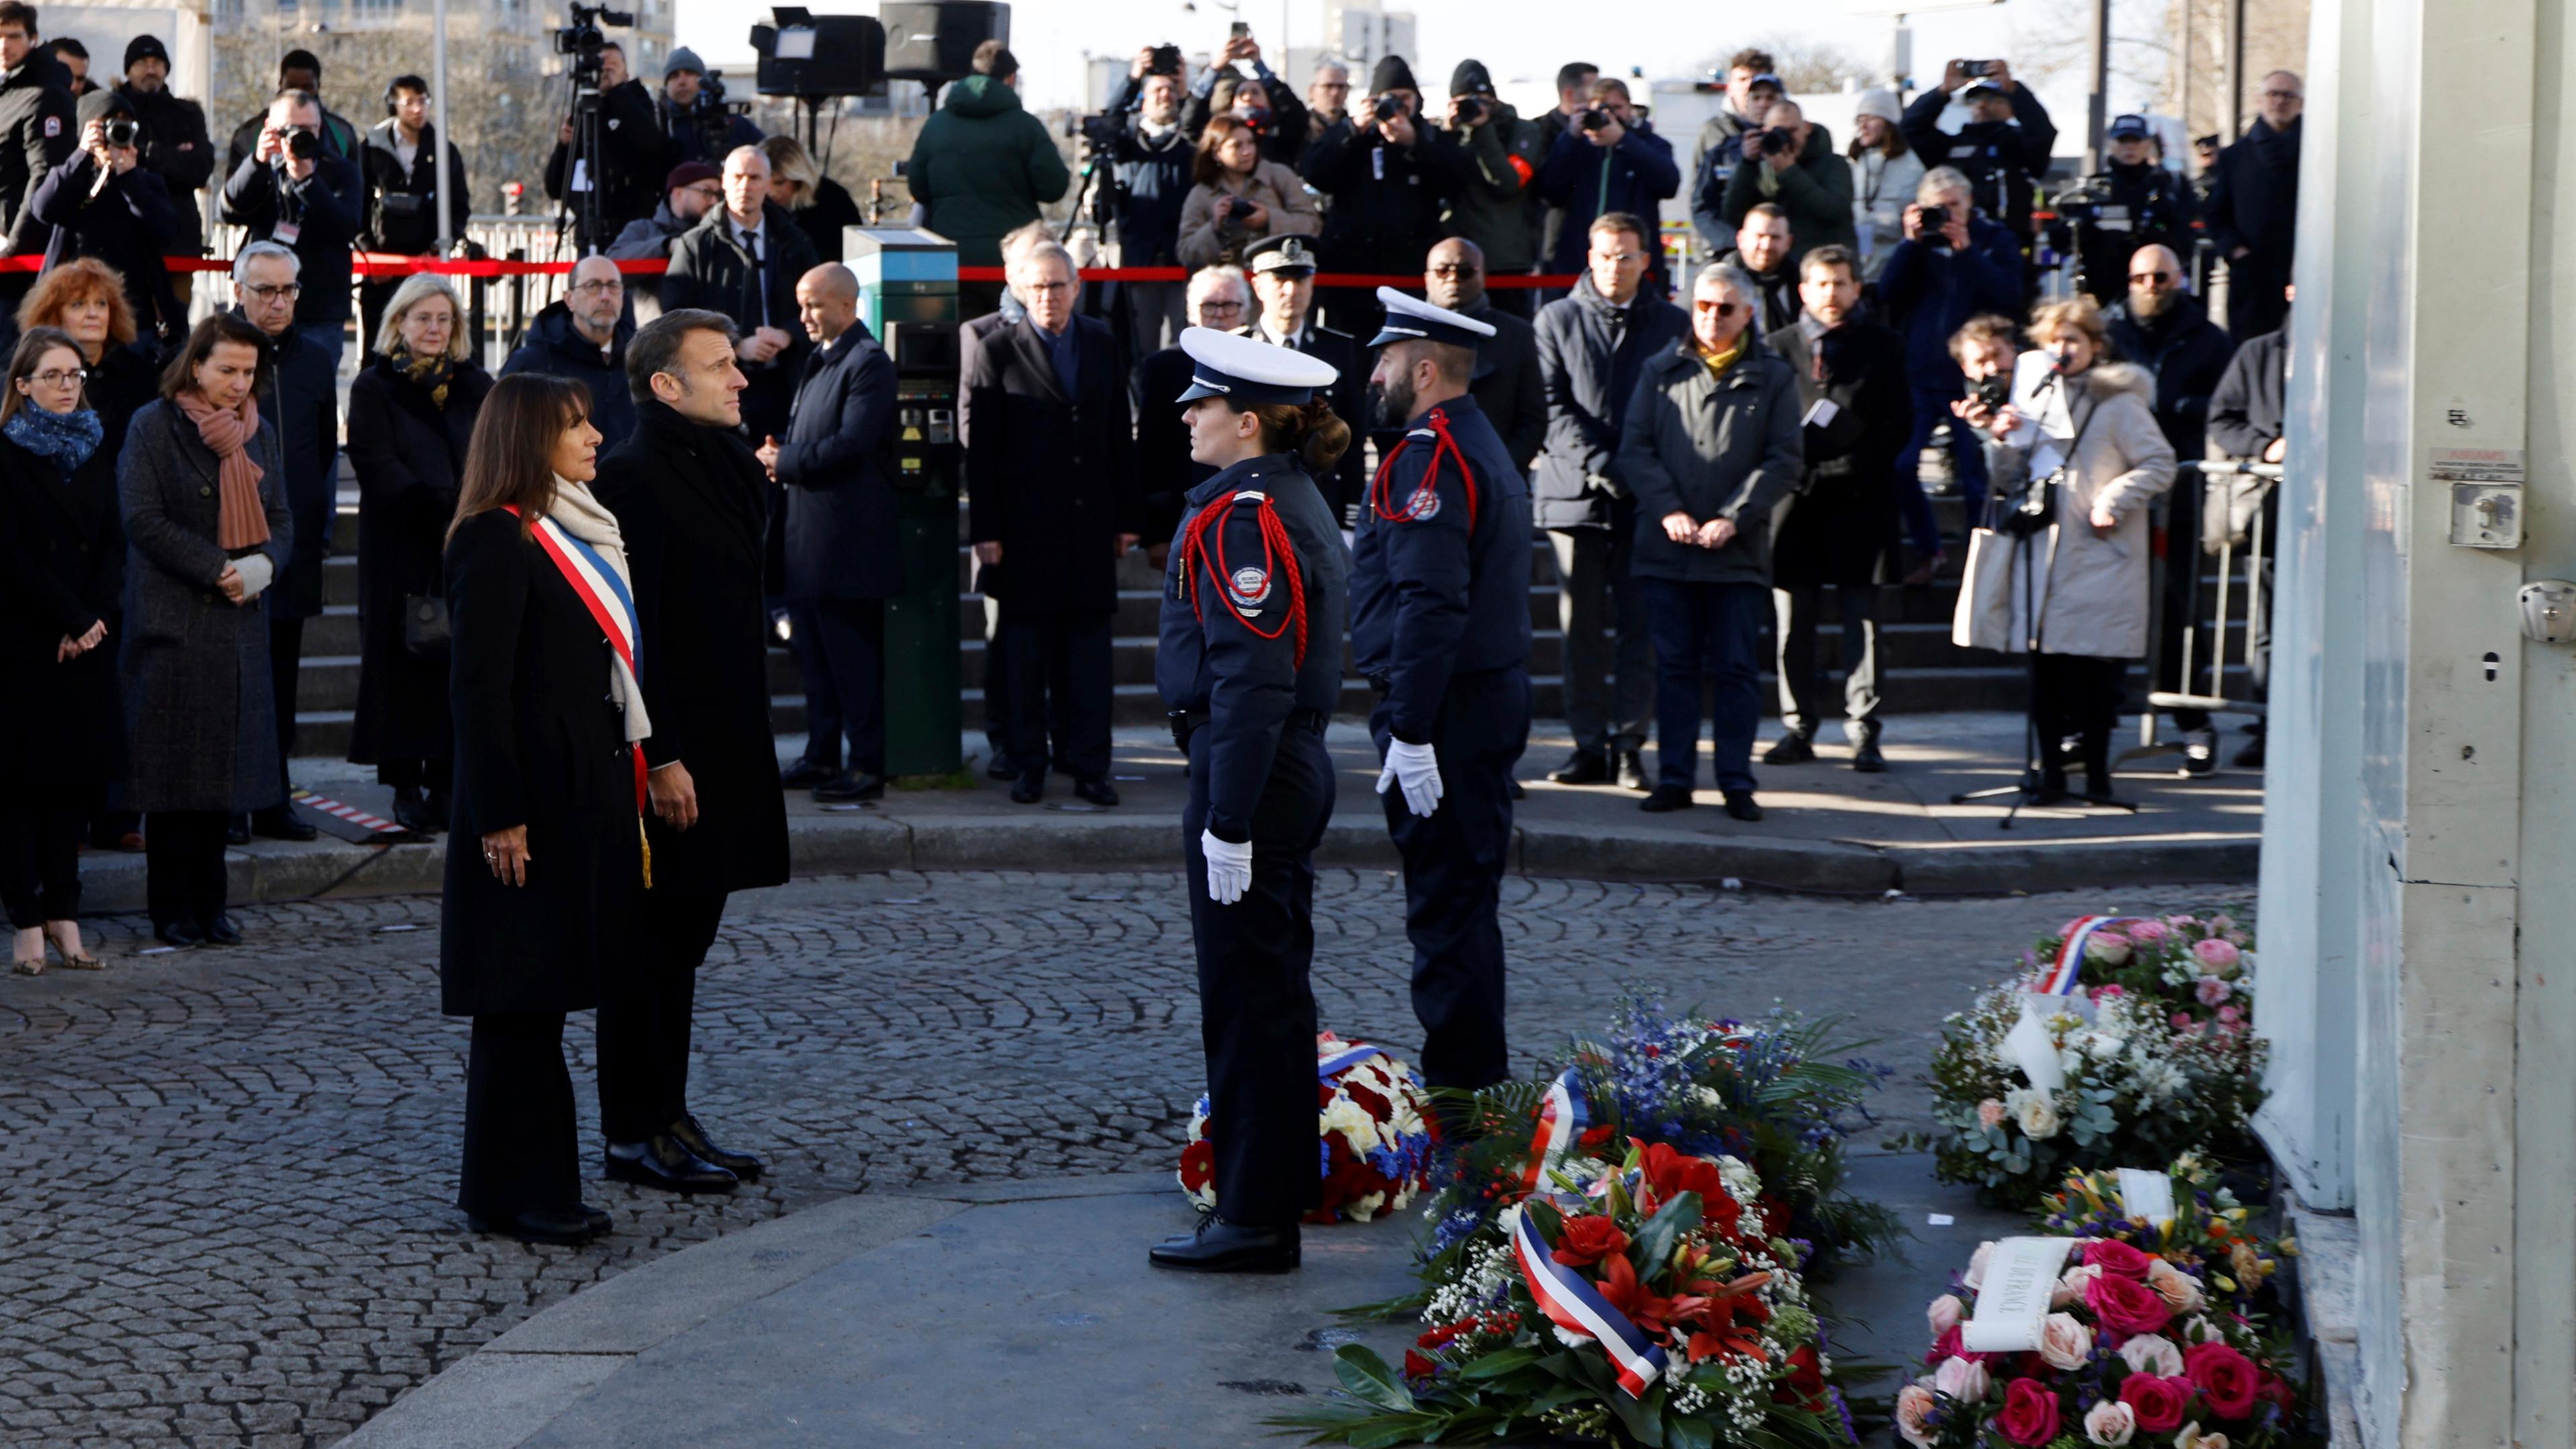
[1609, 160]
[692, 119]
[1790, 163]
[297, 70]
[1952, 265]
[1154, 161]
[1240, 199]
[1388, 177]
[2132, 203]
[633, 155]
[1260, 100]
[1752, 84]
[2002, 151]
[1503, 154]
[289, 190]
[102, 204]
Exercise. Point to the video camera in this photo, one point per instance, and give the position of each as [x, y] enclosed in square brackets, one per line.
[584, 42]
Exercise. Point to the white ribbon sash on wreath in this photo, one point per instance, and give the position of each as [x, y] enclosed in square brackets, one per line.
[2012, 1301]
[2030, 1047]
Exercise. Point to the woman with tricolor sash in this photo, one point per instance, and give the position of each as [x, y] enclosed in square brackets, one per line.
[546, 856]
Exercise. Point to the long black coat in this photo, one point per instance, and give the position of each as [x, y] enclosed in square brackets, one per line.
[539, 744]
[200, 710]
[409, 456]
[2186, 354]
[1049, 477]
[1844, 519]
[841, 539]
[1508, 386]
[302, 402]
[120, 384]
[692, 503]
[62, 566]
[1165, 472]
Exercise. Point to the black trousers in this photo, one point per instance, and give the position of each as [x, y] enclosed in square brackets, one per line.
[434, 774]
[1454, 861]
[1059, 664]
[183, 857]
[40, 861]
[1256, 1002]
[644, 1016]
[2180, 608]
[522, 1143]
[840, 650]
[2077, 695]
[285, 663]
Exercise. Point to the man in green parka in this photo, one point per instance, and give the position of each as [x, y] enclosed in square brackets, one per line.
[983, 165]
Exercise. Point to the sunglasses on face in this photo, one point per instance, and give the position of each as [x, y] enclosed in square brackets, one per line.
[1456, 269]
[2150, 279]
[1721, 310]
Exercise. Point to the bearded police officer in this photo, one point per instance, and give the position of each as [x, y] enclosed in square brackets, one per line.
[1440, 624]
[1249, 665]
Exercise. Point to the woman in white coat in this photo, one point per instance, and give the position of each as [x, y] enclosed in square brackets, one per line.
[2086, 424]
[1885, 172]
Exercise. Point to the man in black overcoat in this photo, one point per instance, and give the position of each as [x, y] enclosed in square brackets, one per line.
[1051, 508]
[843, 562]
[1852, 395]
[693, 505]
[1218, 298]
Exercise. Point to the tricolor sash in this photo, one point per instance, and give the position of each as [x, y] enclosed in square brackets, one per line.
[1563, 1115]
[2067, 967]
[612, 608]
[1572, 1303]
[1342, 1061]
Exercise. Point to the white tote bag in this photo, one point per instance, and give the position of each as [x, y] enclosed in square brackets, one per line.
[1984, 618]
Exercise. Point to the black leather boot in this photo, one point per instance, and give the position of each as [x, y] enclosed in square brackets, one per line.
[1218, 1246]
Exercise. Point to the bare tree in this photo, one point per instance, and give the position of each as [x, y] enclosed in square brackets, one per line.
[1806, 65]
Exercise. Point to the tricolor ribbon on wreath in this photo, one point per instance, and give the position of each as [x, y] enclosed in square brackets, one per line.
[1573, 1304]
[2029, 1043]
[1563, 1115]
[1342, 1061]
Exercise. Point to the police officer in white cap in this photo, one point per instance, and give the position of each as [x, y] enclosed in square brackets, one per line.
[1250, 665]
[1440, 624]
[1283, 291]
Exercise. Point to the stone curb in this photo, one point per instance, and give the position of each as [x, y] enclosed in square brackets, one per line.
[267, 872]
[507, 1391]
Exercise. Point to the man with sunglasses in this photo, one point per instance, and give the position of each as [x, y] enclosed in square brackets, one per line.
[1507, 383]
[2161, 327]
[2254, 208]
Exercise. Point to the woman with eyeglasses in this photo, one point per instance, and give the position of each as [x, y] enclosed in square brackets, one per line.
[1238, 198]
[202, 483]
[411, 414]
[62, 565]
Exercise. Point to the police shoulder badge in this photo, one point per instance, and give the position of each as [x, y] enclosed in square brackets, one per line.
[1424, 505]
[1248, 589]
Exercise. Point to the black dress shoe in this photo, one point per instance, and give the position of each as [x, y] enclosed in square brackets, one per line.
[1029, 789]
[1792, 749]
[1667, 797]
[1218, 1246]
[1000, 767]
[1739, 804]
[222, 932]
[1583, 767]
[806, 774]
[280, 822]
[850, 785]
[690, 1135]
[1098, 792]
[237, 830]
[569, 1226]
[182, 937]
[1865, 756]
[598, 1218]
[411, 812]
[662, 1162]
[1632, 769]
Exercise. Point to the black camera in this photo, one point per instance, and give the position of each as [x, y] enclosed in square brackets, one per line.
[583, 41]
[303, 145]
[1470, 110]
[1594, 120]
[1994, 392]
[1387, 108]
[125, 131]
[1100, 131]
[1935, 218]
[1166, 61]
[1772, 141]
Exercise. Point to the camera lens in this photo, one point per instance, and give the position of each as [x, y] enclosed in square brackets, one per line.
[1595, 120]
[1387, 109]
[303, 145]
[122, 133]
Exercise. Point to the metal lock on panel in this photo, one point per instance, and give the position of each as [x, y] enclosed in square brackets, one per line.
[2549, 611]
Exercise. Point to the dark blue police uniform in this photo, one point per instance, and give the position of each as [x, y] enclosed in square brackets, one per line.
[1250, 664]
[1440, 624]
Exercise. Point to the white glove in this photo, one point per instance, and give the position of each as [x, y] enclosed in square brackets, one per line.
[1229, 868]
[1417, 769]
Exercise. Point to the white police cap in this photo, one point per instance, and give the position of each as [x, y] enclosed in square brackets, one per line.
[1247, 372]
[1410, 318]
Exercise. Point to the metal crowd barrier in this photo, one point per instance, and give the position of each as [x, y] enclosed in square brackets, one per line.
[2234, 513]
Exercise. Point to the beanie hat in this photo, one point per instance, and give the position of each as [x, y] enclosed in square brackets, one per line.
[690, 173]
[1392, 74]
[1471, 79]
[683, 58]
[1880, 103]
[145, 45]
[98, 105]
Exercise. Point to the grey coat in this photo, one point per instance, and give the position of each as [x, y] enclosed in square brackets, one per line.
[1712, 447]
[199, 711]
[2092, 594]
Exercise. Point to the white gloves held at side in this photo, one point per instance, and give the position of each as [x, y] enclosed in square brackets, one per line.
[1229, 868]
[1417, 769]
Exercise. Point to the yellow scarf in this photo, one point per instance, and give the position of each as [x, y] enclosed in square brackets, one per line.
[1719, 362]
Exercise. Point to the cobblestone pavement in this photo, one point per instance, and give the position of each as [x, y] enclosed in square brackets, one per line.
[226, 1212]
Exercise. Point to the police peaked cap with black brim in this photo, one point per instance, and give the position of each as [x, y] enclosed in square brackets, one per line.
[1248, 372]
[1280, 254]
[1410, 319]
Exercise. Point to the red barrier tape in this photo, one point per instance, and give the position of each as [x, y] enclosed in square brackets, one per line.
[382, 265]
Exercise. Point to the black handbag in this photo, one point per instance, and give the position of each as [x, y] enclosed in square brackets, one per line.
[2033, 507]
[424, 632]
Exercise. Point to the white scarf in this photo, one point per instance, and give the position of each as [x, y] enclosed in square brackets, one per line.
[578, 512]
